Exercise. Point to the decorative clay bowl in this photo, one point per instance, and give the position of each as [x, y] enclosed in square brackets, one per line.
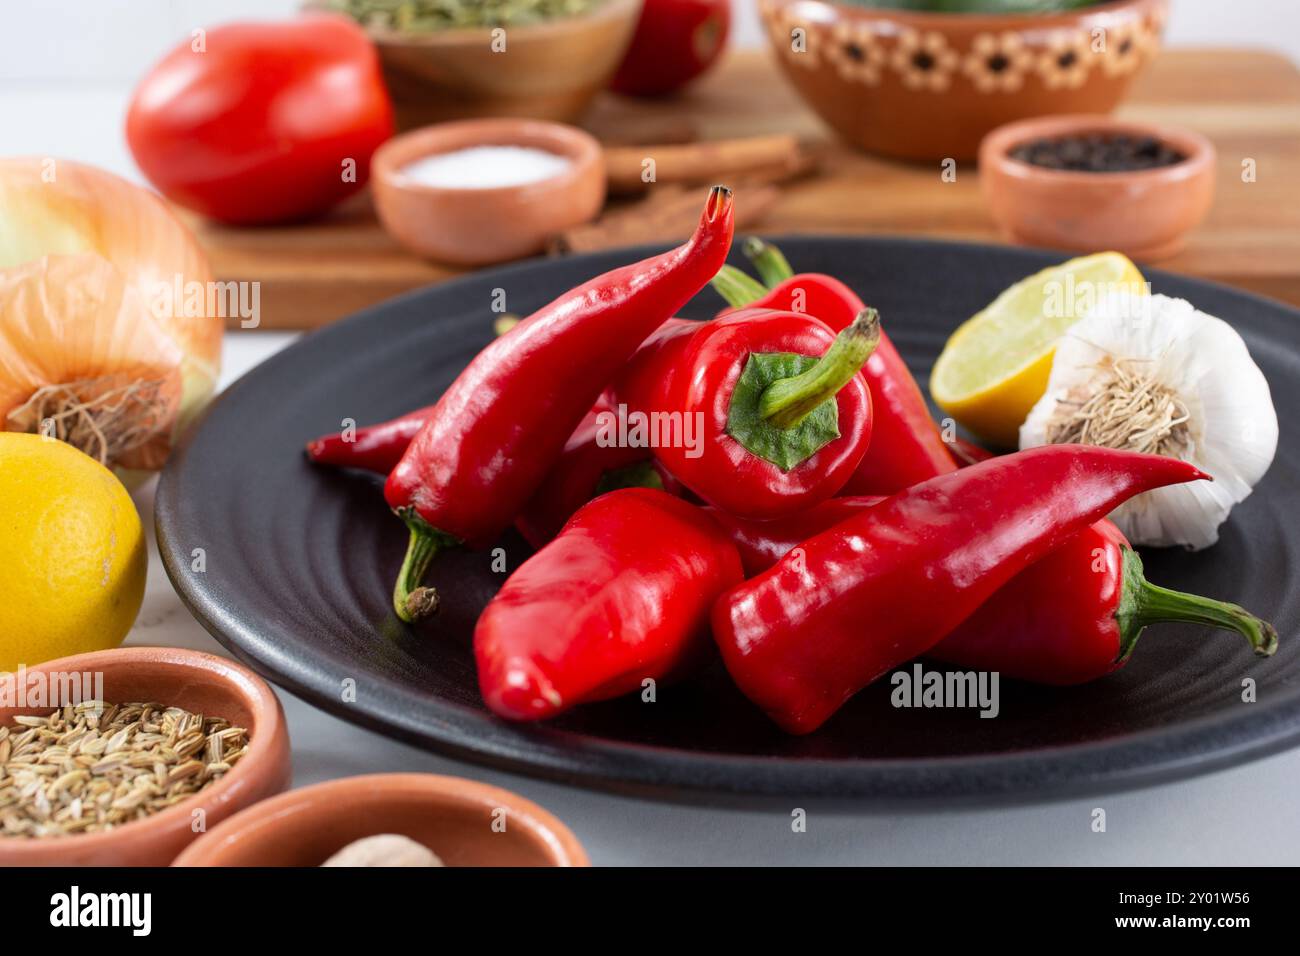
[464, 822]
[929, 86]
[1144, 214]
[200, 683]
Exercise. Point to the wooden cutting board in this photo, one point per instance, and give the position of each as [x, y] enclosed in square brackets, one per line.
[1247, 102]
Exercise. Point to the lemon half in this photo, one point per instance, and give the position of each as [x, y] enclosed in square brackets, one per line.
[995, 366]
[72, 553]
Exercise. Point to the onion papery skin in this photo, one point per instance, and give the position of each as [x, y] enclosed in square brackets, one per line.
[58, 207]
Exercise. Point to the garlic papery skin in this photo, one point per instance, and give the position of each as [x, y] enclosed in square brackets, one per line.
[1154, 374]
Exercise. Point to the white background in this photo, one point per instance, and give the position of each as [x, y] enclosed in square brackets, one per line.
[66, 69]
[115, 39]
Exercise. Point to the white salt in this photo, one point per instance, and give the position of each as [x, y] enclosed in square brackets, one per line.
[486, 167]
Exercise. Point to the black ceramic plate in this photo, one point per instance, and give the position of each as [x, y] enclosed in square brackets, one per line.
[300, 561]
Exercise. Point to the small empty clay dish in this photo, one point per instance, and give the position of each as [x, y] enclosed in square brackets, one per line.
[462, 822]
[200, 683]
[1143, 213]
[459, 217]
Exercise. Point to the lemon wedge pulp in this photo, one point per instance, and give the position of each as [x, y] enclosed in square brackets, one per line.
[995, 366]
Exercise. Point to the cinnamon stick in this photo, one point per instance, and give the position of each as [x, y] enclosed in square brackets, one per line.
[633, 169]
[665, 215]
[641, 130]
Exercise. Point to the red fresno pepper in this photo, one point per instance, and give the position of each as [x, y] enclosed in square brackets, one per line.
[603, 607]
[889, 584]
[1070, 618]
[906, 446]
[782, 428]
[502, 424]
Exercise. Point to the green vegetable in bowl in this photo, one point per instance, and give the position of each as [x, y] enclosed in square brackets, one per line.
[423, 16]
[974, 6]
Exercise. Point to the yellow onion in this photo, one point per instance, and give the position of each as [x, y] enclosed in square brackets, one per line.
[91, 342]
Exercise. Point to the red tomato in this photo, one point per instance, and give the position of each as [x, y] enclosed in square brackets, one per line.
[262, 122]
[675, 41]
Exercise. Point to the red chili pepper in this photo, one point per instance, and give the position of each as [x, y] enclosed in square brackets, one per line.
[906, 446]
[604, 606]
[376, 448]
[1070, 618]
[1076, 615]
[887, 585]
[781, 428]
[763, 543]
[380, 447]
[966, 453]
[502, 424]
[587, 467]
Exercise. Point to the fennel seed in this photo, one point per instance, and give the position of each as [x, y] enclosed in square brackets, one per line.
[93, 767]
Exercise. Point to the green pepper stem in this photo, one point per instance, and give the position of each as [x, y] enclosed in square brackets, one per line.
[736, 287]
[1149, 603]
[788, 401]
[768, 261]
[411, 600]
[640, 474]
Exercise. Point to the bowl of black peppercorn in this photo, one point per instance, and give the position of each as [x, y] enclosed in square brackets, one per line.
[1089, 183]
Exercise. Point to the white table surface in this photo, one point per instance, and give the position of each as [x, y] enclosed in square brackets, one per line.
[1243, 816]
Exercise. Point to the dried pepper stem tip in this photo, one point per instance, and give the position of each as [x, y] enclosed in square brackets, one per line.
[411, 600]
[719, 203]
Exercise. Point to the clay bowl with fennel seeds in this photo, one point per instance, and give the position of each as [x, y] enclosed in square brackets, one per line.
[463, 822]
[549, 69]
[199, 683]
[1145, 213]
[923, 85]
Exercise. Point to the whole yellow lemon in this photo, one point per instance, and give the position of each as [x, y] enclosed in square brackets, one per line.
[72, 553]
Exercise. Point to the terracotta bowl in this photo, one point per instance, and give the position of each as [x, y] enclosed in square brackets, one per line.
[1144, 214]
[928, 86]
[200, 683]
[451, 816]
[550, 70]
[480, 226]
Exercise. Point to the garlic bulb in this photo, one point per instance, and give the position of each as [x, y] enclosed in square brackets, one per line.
[1153, 374]
[384, 849]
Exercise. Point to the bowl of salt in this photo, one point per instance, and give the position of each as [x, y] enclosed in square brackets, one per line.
[477, 192]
